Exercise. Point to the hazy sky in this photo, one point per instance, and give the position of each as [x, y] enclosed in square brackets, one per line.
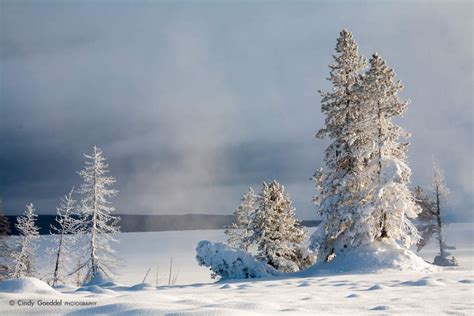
[192, 102]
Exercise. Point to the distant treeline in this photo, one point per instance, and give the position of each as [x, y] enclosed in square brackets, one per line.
[154, 223]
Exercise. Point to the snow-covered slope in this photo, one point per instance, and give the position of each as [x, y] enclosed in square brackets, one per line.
[448, 290]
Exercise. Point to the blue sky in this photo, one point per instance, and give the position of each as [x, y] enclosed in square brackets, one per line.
[193, 102]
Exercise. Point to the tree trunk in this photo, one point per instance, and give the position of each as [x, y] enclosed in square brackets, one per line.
[94, 268]
[440, 225]
[58, 255]
[383, 224]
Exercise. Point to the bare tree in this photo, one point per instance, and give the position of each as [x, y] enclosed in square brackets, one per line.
[431, 218]
[96, 208]
[25, 252]
[67, 231]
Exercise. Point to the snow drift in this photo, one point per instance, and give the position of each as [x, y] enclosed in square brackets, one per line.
[26, 285]
[230, 263]
[373, 257]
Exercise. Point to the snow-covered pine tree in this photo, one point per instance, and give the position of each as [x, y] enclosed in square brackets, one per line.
[363, 192]
[388, 204]
[431, 217]
[96, 209]
[240, 232]
[337, 184]
[277, 233]
[25, 251]
[5, 249]
[66, 230]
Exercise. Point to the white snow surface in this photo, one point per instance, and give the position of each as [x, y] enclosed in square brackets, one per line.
[355, 291]
[25, 285]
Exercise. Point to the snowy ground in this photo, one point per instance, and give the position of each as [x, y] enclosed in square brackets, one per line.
[449, 290]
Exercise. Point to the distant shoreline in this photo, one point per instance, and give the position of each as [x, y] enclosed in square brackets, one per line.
[155, 223]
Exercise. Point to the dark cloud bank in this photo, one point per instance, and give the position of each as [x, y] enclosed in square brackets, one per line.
[192, 103]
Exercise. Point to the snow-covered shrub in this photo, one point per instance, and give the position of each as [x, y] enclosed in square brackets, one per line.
[231, 263]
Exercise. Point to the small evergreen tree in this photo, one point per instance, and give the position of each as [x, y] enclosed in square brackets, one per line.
[239, 234]
[96, 209]
[338, 183]
[25, 252]
[66, 231]
[277, 233]
[431, 217]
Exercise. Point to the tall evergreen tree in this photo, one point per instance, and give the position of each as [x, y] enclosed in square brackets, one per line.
[96, 208]
[240, 232]
[25, 251]
[337, 183]
[363, 191]
[388, 205]
[66, 231]
[276, 231]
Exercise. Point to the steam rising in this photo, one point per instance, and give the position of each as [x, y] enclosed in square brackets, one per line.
[192, 104]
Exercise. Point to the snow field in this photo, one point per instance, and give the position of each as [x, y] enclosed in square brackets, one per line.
[446, 290]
